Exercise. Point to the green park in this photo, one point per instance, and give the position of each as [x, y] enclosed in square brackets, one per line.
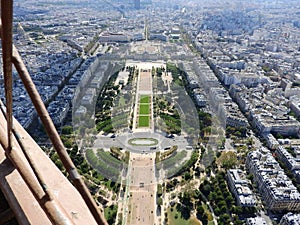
[144, 111]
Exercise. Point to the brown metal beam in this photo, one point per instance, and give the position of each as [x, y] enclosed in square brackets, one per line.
[55, 213]
[55, 138]
[52, 208]
[30, 159]
[10, 54]
[7, 18]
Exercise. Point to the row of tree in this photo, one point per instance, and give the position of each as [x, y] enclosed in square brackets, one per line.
[222, 201]
[102, 167]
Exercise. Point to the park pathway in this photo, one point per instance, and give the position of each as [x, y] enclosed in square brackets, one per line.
[139, 203]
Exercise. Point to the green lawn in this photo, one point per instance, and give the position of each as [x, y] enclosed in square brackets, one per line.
[144, 121]
[144, 109]
[122, 101]
[145, 99]
[175, 218]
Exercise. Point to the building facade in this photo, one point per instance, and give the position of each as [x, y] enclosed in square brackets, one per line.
[290, 218]
[277, 190]
[239, 186]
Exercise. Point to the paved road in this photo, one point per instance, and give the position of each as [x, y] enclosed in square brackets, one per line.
[122, 142]
[140, 197]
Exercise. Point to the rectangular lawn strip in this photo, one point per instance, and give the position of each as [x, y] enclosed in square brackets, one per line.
[144, 99]
[144, 109]
[144, 121]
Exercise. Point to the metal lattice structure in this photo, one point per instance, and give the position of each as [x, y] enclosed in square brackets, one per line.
[35, 190]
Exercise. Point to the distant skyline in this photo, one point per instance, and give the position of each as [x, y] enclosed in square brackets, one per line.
[140, 3]
[137, 4]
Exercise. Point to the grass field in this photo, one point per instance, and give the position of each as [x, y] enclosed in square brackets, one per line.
[175, 218]
[145, 99]
[144, 109]
[144, 121]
